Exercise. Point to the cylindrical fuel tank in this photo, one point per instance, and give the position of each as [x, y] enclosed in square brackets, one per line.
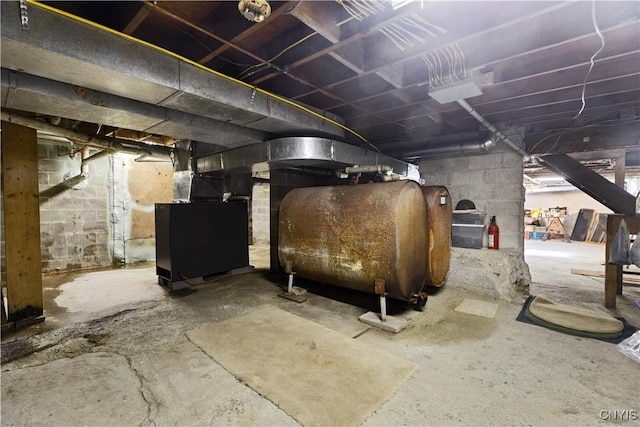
[351, 235]
[439, 218]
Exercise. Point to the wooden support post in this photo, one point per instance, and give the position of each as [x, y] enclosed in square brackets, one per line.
[22, 223]
[612, 272]
[620, 171]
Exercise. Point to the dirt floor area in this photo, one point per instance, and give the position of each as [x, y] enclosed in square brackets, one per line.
[113, 351]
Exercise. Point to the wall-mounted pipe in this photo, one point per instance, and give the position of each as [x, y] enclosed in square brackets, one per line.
[469, 109]
[390, 177]
[95, 156]
[75, 181]
[103, 143]
[445, 150]
[367, 169]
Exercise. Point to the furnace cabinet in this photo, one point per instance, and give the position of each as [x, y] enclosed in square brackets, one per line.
[200, 239]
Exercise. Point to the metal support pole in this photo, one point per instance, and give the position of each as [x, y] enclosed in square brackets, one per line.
[290, 284]
[383, 308]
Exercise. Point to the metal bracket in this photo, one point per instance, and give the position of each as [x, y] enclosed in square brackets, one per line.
[293, 293]
[379, 290]
[24, 15]
[378, 286]
[382, 321]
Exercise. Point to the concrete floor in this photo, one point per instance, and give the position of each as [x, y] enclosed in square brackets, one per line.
[113, 351]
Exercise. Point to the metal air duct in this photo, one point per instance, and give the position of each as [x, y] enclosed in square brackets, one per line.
[449, 150]
[66, 50]
[300, 151]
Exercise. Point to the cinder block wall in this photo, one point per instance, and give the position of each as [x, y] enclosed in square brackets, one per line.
[74, 222]
[107, 219]
[260, 213]
[492, 181]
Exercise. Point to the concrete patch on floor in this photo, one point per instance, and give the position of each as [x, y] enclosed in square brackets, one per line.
[90, 389]
[478, 308]
[103, 290]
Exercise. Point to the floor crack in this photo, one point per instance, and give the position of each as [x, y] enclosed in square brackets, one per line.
[142, 390]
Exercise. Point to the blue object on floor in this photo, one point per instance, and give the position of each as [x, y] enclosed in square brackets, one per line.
[638, 303]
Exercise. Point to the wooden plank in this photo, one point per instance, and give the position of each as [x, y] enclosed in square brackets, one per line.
[22, 222]
[628, 280]
[319, 16]
[592, 225]
[600, 230]
[582, 224]
[142, 14]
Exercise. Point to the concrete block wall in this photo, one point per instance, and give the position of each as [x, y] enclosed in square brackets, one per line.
[260, 213]
[111, 213]
[492, 181]
[74, 222]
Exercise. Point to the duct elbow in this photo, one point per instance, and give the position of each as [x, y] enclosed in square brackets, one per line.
[488, 145]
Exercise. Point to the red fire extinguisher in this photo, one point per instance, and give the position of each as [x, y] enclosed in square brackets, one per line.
[494, 234]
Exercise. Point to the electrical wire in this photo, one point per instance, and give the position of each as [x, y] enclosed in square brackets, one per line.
[592, 62]
[195, 64]
[283, 51]
[200, 42]
[561, 131]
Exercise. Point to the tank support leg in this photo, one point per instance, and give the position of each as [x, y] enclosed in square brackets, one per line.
[383, 308]
[290, 284]
[293, 293]
[382, 321]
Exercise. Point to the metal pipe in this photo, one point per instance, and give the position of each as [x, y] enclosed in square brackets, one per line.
[391, 177]
[464, 104]
[84, 172]
[290, 283]
[383, 308]
[84, 166]
[95, 156]
[104, 143]
[367, 169]
[443, 150]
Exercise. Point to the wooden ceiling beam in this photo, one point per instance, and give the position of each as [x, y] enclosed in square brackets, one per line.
[629, 30]
[380, 22]
[246, 33]
[351, 56]
[550, 81]
[135, 22]
[322, 17]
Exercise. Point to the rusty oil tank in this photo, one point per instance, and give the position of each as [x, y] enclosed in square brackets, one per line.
[351, 235]
[439, 219]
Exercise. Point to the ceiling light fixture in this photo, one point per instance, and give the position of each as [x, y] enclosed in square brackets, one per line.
[254, 10]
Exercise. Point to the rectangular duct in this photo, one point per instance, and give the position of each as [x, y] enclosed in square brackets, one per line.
[65, 50]
[300, 151]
